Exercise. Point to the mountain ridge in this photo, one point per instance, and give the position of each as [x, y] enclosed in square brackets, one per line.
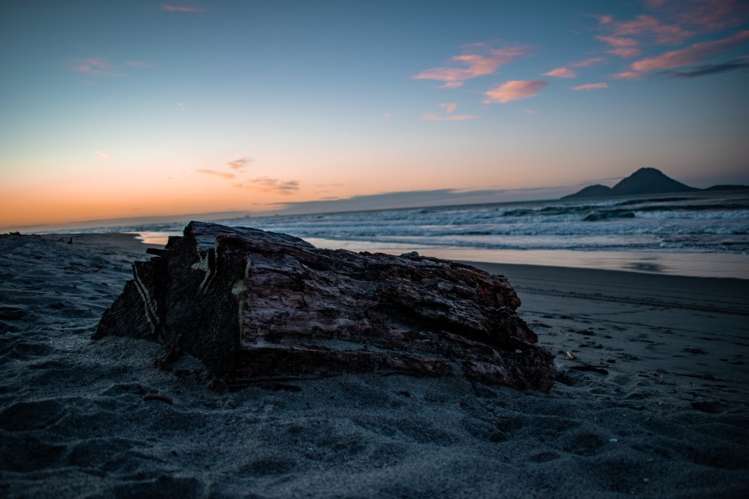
[646, 180]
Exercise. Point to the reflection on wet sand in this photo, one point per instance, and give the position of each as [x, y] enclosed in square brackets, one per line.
[697, 264]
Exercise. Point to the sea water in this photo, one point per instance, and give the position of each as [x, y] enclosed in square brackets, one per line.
[692, 234]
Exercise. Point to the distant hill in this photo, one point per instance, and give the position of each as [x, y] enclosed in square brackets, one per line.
[644, 181]
[592, 191]
[724, 187]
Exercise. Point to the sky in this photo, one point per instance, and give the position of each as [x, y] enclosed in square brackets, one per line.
[147, 108]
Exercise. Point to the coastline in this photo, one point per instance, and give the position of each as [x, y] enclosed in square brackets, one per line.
[682, 264]
[651, 399]
[686, 263]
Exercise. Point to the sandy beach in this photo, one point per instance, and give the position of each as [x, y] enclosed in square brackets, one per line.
[651, 398]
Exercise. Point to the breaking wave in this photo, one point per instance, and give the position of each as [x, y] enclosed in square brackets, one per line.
[694, 223]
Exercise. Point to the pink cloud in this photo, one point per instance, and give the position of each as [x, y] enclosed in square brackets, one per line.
[626, 75]
[181, 8]
[591, 86]
[567, 72]
[474, 65]
[626, 37]
[586, 63]
[514, 90]
[449, 117]
[605, 19]
[448, 114]
[618, 41]
[621, 46]
[663, 33]
[625, 52]
[449, 107]
[93, 66]
[561, 73]
[713, 15]
[687, 56]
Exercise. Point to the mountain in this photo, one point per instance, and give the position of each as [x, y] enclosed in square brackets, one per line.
[648, 181]
[729, 187]
[592, 191]
[643, 181]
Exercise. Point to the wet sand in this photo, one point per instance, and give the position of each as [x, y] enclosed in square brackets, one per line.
[651, 399]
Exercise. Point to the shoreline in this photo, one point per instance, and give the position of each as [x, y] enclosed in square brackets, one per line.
[467, 255]
[680, 264]
[645, 363]
[718, 294]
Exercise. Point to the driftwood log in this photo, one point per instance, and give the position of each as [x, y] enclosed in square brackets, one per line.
[254, 305]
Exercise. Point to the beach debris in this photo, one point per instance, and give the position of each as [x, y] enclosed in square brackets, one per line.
[256, 305]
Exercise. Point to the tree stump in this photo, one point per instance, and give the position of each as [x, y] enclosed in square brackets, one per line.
[255, 305]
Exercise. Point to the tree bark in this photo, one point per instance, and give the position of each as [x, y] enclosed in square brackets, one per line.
[253, 304]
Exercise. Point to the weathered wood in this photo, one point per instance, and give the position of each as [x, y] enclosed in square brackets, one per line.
[253, 304]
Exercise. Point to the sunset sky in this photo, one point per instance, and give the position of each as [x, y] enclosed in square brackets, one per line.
[129, 109]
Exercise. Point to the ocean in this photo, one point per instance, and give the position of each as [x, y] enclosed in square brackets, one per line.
[703, 234]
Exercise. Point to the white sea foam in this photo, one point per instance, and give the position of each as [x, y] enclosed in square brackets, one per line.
[691, 223]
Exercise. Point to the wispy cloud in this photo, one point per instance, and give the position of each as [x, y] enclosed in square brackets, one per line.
[448, 114]
[449, 117]
[688, 56]
[264, 184]
[675, 23]
[449, 107]
[471, 65]
[93, 66]
[590, 86]
[586, 63]
[102, 155]
[713, 15]
[626, 37]
[216, 173]
[274, 185]
[513, 90]
[649, 25]
[626, 75]
[568, 71]
[621, 46]
[181, 8]
[561, 73]
[239, 164]
[709, 69]
[99, 66]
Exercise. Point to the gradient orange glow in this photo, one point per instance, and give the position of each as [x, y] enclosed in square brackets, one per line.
[244, 106]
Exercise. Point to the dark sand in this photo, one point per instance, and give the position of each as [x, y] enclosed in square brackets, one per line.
[664, 412]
